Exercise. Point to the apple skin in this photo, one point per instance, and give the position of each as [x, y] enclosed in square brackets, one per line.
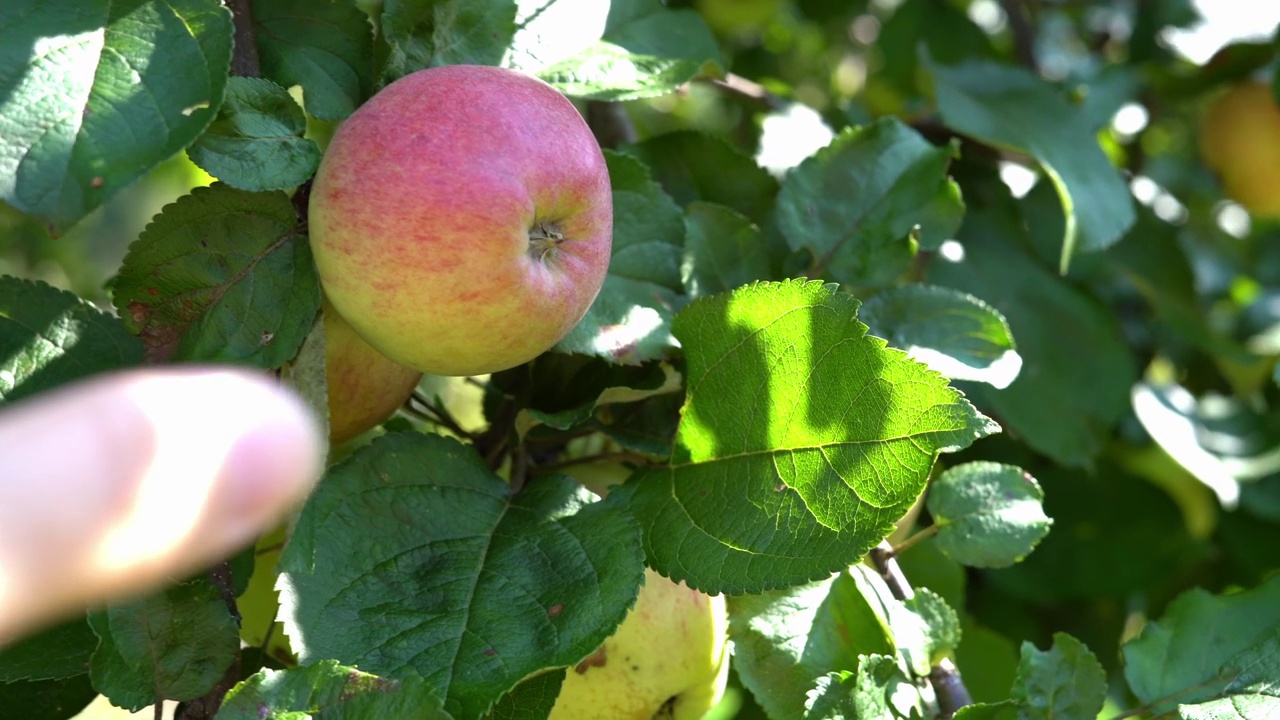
[461, 219]
[1240, 139]
[364, 387]
[669, 656]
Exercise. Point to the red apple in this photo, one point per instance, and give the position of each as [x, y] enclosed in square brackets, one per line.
[461, 219]
[364, 387]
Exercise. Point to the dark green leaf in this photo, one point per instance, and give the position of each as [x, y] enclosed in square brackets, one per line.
[1094, 513]
[927, 567]
[1011, 108]
[801, 437]
[943, 29]
[987, 514]
[1190, 653]
[831, 698]
[562, 391]
[413, 558]
[1236, 707]
[329, 690]
[94, 93]
[854, 203]
[221, 275]
[1065, 682]
[49, 337]
[323, 45]
[532, 699]
[1076, 370]
[177, 643]
[879, 690]
[952, 332]
[58, 653]
[256, 142]
[429, 33]
[692, 166]
[988, 662]
[630, 321]
[722, 250]
[48, 699]
[112, 675]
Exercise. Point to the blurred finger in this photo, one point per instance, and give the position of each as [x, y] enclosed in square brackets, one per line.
[116, 485]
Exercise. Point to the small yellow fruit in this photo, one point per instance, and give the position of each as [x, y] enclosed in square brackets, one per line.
[364, 387]
[1240, 140]
[668, 659]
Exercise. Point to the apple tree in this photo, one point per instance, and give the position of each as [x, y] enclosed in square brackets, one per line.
[934, 367]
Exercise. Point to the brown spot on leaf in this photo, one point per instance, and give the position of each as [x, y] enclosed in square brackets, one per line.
[152, 291]
[96, 182]
[267, 337]
[555, 610]
[599, 658]
[490, 652]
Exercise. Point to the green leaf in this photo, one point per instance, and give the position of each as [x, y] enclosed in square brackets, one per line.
[49, 337]
[412, 557]
[942, 217]
[1011, 108]
[952, 332]
[945, 31]
[532, 699]
[1192, 651]
[1236, 707]
[48, 699]
[942, 625]
[329, 690]
[802, 441]
[784, 639]
[692, 166]
[430, 33]
[256, 142]
[878, 690]
[854, 203]
[630, 321]
[1076, 364]
[221, 275]
[94, 93]
[623, 50]
[175, 645]
[988, 514]
[722, 250]
[60, 652]
[323, 45]
[1065, 682]
[988, 662]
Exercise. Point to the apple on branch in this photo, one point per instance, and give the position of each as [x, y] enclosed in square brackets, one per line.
[668, 659]
[462, 218]
[363, 385]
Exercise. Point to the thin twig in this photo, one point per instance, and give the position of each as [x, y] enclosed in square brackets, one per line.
[623, 456]
[435, 414]
[1024, 33]
[944, 677]
[244, 58]
[912, 540]
[748, 90]
[610, 124]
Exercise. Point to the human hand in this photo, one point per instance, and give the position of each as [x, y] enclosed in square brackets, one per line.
[116, 485]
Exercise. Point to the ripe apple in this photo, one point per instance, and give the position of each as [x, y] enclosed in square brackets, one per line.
[668, 656]
[364, 387]
[461, 219]
[1240, 139]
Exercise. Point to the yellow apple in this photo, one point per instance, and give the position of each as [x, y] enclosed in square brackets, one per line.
[1240, 140]
[364, 387]
[668, 659]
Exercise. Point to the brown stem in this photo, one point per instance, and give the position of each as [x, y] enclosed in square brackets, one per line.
[749, 90]
[624, 456]
[244, 59]
[206, 706]
[610, 124]
[945, 677]
[435, 414]
[1024, 33]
